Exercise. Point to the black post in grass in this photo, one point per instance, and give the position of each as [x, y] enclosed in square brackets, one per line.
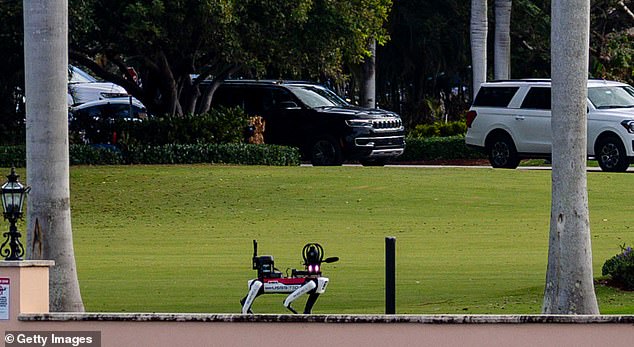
[390, 275]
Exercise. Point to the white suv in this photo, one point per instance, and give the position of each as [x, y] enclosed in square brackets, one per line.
[510, 120]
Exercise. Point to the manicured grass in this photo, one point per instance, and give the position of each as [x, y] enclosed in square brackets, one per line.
[179, 238]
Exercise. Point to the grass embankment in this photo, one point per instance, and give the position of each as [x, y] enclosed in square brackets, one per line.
[179, 238]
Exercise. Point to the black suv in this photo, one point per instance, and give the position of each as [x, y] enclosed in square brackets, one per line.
[327, 129]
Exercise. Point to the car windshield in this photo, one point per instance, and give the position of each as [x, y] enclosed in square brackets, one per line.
[611, 97]
[77, 75]
[317, 96]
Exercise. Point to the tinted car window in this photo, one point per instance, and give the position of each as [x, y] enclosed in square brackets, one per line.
[280, 96]
[228, 97]
[257, 100]
[121, 111]
[260, 100]
[315, 96]
[537, 98]
[495, 96]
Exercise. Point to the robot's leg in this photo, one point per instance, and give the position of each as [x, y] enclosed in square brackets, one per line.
[311, 285]
[311, 301]
[254, 290]
[322, 283]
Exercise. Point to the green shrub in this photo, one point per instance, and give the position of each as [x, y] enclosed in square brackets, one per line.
[13, 156]
[222, 125]
[439, 129]
[12, 129]
[438, 148]
[95, 155]
[232, 153]
[621, 268]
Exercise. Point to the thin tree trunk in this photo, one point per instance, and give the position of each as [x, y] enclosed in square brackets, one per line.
[205, 99]
[569, 279]
[168, 86]
[502, 49]
[49, 232]
[368, 85]
[479, 33]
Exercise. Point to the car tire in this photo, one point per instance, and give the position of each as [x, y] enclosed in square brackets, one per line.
[610, 153]
[373, 162]
[502, 152]
[326, 151]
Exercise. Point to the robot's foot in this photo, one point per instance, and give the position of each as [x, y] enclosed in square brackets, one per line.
[291, 309]
[242, 301]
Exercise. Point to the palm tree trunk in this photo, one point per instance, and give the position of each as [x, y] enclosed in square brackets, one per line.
[368, 85]
[479, 32]
[49, 233]
[569, 279]
[502, 49]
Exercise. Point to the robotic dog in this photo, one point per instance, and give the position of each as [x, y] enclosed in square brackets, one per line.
[271, 281]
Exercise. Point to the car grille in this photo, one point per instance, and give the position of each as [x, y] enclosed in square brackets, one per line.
[381, 142]
[387, 124]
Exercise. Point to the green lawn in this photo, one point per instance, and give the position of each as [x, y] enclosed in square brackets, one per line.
[179, 238]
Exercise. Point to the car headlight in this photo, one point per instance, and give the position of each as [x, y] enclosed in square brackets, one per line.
[628, 125]
[367, 123]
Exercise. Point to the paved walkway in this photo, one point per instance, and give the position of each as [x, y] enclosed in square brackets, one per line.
[589, 168]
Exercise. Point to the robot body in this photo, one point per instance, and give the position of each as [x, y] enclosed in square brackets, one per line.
[271, 281]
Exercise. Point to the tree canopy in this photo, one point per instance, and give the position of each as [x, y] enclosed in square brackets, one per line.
[423, 62]
[169, 41]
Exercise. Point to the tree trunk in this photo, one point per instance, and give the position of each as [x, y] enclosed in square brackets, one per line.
[502, 49]
[189, 95]
[569, 280]
[479, 32]
[168, 85]
[204, 103]
[49, 232]
[368, 85]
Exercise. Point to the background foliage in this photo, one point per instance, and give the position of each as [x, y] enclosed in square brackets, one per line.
[423, 59]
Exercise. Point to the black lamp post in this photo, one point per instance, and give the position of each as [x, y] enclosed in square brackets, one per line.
[13, 194]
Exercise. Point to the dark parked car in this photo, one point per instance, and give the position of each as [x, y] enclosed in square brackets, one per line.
[327, 129]
[94, 122]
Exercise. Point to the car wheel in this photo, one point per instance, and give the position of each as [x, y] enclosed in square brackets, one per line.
[373, 162]
[502, 153]
[325, 152]
[610, 154]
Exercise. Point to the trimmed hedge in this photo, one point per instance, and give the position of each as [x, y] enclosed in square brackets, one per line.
[417, 149]
[441, 129]
[219, 125]
[233, 153]
[438, 148]
[95, 155]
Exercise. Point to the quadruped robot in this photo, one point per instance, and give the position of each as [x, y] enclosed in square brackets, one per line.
[271, 281]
